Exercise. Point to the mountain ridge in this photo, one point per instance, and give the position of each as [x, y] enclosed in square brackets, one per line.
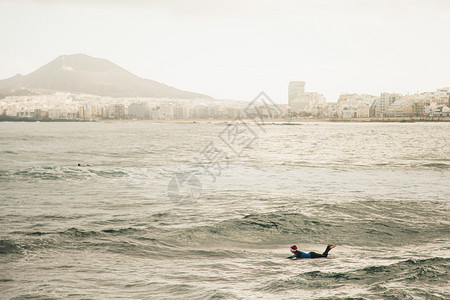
[81, 73]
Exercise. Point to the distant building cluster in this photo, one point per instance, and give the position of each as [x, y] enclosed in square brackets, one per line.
[69, 106]
[303, 103]
[349, 106]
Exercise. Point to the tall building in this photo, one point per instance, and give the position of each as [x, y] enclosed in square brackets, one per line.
[54, 113]
[179, 112]
[166, 111]
[104, 113]
[81, 112]
[119, 111]
[138, 111]
[296, 88]
[384, 102]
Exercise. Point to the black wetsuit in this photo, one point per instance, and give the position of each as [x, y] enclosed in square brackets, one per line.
[299, 254]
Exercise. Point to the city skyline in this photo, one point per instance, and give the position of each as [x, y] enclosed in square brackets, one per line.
[397, 47]
[81, 87]
[302, 104]
[59, 64]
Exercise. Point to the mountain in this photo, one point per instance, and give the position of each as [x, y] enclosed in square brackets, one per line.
[80, 73]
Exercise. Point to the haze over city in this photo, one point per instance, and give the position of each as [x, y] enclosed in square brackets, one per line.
[234, 49]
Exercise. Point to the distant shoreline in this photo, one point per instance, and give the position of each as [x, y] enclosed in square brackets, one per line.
[18, 119]
[292, 121]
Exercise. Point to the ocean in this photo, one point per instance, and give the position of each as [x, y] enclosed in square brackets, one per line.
[166, 210]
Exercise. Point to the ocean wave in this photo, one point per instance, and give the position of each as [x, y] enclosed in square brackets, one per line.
[378, 279]
[375, 223]
[172, 291]
[437, 165]
[7, 246]
[126, 240]
[9, 152]
[380, 224]
[430, 269]
[65, 173]
[76, 232]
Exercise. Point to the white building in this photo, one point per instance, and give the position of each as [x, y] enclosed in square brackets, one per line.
[348, 113]
[138, 111]
[384, 102]
[166, 111]
[296, 88]
[358, 104]
[307, 102]
[363, 111]
[54, 113]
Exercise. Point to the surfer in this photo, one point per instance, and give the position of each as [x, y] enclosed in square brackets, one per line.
[299, 254]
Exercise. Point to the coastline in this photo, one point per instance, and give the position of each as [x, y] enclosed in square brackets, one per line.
[291, 121]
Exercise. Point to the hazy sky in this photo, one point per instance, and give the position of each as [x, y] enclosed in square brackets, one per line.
[234, 49]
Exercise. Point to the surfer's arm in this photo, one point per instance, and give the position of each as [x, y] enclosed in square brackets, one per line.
[291, 257]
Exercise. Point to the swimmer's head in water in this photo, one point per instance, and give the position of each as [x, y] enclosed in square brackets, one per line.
[293, 248]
